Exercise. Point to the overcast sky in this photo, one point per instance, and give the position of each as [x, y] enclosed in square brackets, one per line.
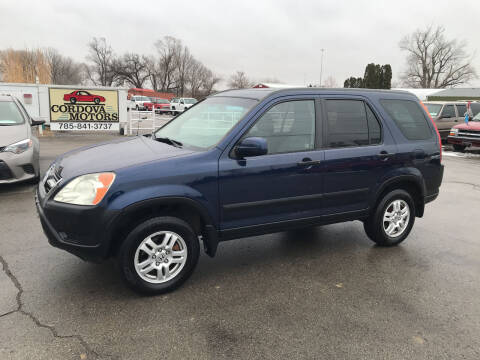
[264, 38]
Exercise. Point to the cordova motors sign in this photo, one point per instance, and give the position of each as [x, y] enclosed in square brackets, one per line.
[83, 109]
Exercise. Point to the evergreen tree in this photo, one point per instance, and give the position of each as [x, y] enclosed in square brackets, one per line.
[386, 78]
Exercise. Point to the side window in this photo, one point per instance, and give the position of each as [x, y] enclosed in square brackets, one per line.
[409, 118]
[374, 129]
[461, 110]
[346, 123]
[448, 111]
[287, 127]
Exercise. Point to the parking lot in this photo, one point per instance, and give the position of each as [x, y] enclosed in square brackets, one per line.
[324, 292]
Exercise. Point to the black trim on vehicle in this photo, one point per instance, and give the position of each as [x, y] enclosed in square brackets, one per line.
[292, 199]
[254, 230]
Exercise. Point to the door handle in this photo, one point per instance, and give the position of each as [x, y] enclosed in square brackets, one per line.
[384, 155]
[308, 162]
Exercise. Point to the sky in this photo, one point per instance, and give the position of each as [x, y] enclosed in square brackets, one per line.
[279, 39]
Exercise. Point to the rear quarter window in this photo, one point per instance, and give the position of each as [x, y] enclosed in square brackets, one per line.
[409, 118]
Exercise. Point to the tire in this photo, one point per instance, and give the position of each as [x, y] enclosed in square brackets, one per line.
[155, 281]
[96, 101]
[459, 148]
[401, 226]
[73, 100]
[136, 107]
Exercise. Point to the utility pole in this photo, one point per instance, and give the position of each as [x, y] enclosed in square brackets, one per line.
[321, 68]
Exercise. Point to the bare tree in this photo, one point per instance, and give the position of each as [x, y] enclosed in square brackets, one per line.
[330, 82]
[131, 69]
[101, 55]
[435, 62]
[24, 66]
[184, 62]
[168, 49]
[239, 81]
[63, 70]
[209, 80]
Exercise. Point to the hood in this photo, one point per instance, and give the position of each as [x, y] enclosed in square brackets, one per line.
[115, 155]
[472, 125]
[12, 134]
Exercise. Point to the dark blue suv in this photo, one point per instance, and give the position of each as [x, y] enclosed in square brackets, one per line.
[242, 163]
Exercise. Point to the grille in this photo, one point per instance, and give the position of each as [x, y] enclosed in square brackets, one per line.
[5, 172]
[469, 133]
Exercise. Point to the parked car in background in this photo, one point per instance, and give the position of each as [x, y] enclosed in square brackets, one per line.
[465, 135]
[178, 105]
[19, 147]
[161, 106]
[140, 101]
[446, 115]
[244, 163]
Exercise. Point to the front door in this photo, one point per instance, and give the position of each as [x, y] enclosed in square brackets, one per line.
[447, 119]
[286, 183]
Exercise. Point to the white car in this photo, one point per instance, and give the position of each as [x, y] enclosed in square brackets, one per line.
[178, 105]
[137, 102]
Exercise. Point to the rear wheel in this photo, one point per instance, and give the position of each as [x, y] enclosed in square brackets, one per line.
[159, 255]
[96, 101]
[458, 147]
[392, 220]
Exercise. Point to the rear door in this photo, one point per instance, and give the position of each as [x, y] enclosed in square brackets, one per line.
[359, 150]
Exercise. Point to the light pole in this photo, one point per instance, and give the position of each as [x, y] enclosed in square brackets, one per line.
[321, 67]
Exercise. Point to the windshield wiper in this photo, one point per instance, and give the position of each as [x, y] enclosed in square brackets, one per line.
[169, 141]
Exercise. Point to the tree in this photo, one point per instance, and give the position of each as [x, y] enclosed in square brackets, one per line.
[435, 62]
[239, 81]
[63, 70]
[101, 55]
[168, 50]
[24, 66]
[131, 69]
[353, 82]
[330, 82]
[375, 77]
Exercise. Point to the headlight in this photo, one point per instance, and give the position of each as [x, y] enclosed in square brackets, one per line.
[453, 132]
[19, 147]
[86, 189]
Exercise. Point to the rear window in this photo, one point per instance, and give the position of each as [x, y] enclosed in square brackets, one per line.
[409, 118]
[10, 114]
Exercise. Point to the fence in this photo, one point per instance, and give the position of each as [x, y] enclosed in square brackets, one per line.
[142, 122]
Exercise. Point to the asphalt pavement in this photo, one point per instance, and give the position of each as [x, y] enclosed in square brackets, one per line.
[320, 293]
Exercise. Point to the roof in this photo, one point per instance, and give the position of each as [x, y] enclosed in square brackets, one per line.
[422, 94]
[274, 85]
[261, 93]
[459, 92]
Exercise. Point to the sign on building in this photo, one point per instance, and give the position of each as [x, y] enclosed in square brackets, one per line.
[83, 109]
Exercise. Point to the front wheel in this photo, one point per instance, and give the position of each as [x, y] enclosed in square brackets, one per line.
[459, 148]
[159, 255]
[392, 220]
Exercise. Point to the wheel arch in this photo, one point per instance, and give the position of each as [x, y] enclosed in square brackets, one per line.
[181, 207]
[414, 185]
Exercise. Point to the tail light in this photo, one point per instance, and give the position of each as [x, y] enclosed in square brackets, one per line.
[436, 129]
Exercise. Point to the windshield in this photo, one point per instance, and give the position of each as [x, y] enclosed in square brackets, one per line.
[10, 114]
[190, 101]
[434, 109]
[163, 101]
[476, 117]
[206, 123]
[144, 98]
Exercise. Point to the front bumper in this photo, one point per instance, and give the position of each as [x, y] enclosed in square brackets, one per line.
[462, 140]
[17, 167]
[84, 232]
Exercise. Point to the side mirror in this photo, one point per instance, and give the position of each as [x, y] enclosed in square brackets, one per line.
[251, 146]
[181, 102]
[37, 121]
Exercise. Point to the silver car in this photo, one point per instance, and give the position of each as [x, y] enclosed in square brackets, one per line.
[19, 148]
